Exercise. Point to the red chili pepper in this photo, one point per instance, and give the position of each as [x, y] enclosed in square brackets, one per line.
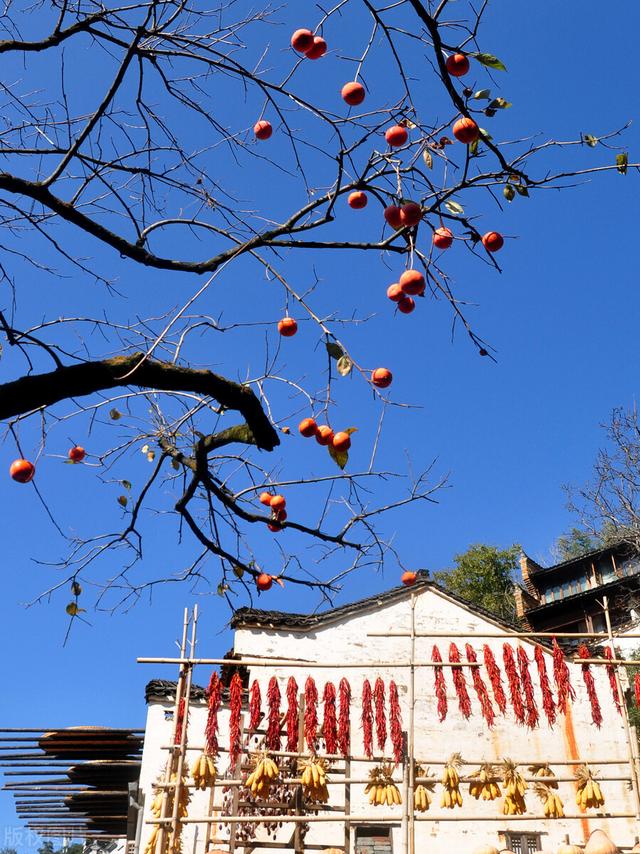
[531, 707]
[272, 738]
[367, 719]
[459, 682]
[255, 706]
[636, 688]
[587, 675]
[235, 707]
[548, 703]
[329, 722]
[479, 686]
[495, 678]
[310, 713]
[611, 673]
[292, 714]
[344, 718]
[214, 695]
[180, 721]
[440, 684]
[395, 723]
[562, 678]
[515, 688]
[381, 718]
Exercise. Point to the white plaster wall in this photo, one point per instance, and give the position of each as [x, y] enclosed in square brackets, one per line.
[347, 641]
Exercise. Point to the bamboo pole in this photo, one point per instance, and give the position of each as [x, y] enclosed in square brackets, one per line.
[391, 819]
[170, 762]
[411, 734]
[378, 757]
[296, 781]
[80, 729]
[504, 634]
[175, 829]
[625, 715]
[289, 662]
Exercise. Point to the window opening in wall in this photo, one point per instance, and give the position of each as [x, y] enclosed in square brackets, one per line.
[373, 840]
[523, 843]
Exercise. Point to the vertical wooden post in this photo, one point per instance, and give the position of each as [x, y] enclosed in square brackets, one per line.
[235, 800]
[411, 729]
[298, 839]
[347, 805]
[160, 846]
[175, 822]
[633, 768]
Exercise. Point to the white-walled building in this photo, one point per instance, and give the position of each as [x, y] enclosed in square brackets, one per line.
[363, 641]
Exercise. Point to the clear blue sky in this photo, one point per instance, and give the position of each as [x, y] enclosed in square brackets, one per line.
[563, 317]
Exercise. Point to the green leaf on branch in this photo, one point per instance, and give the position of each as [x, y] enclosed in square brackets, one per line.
[344, 366]
[340, 457]
[334, 350]
[489, 60]
[454, 207]
[622, 161]
[126, 484]
[591, 141]
[499, 104]
[521, 190]
[115, 415]
[482, 94]
[509, 193]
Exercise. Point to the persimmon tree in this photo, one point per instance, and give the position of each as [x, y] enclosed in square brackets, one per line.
[174, 156]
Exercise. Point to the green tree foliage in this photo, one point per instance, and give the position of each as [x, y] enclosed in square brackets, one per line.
[574, 543]
[485, 576]
[47, 848]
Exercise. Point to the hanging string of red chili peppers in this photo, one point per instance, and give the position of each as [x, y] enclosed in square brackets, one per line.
[479, 686]
[255, 706]
[611, 673]
[636, 688]
[180, 721]
[235, 706]
[310, 713]
[515, 688]
[329, 722]
[495, 678]
[272, 738]
[214, 696]
[531, 707]
[548, 703]
[367, 719]
[344, 719]
[395, 723]
[587, 675]
[562, 678]
[381, 718]
[459, 682]
[292, 714]
[440, 684]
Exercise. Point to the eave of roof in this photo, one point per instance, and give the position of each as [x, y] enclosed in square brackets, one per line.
[567, 564]
[584, 594]
[256, 618]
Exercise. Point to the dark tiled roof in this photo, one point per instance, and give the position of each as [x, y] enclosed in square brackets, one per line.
[165, 688]
[576, 561]
[247, 617]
